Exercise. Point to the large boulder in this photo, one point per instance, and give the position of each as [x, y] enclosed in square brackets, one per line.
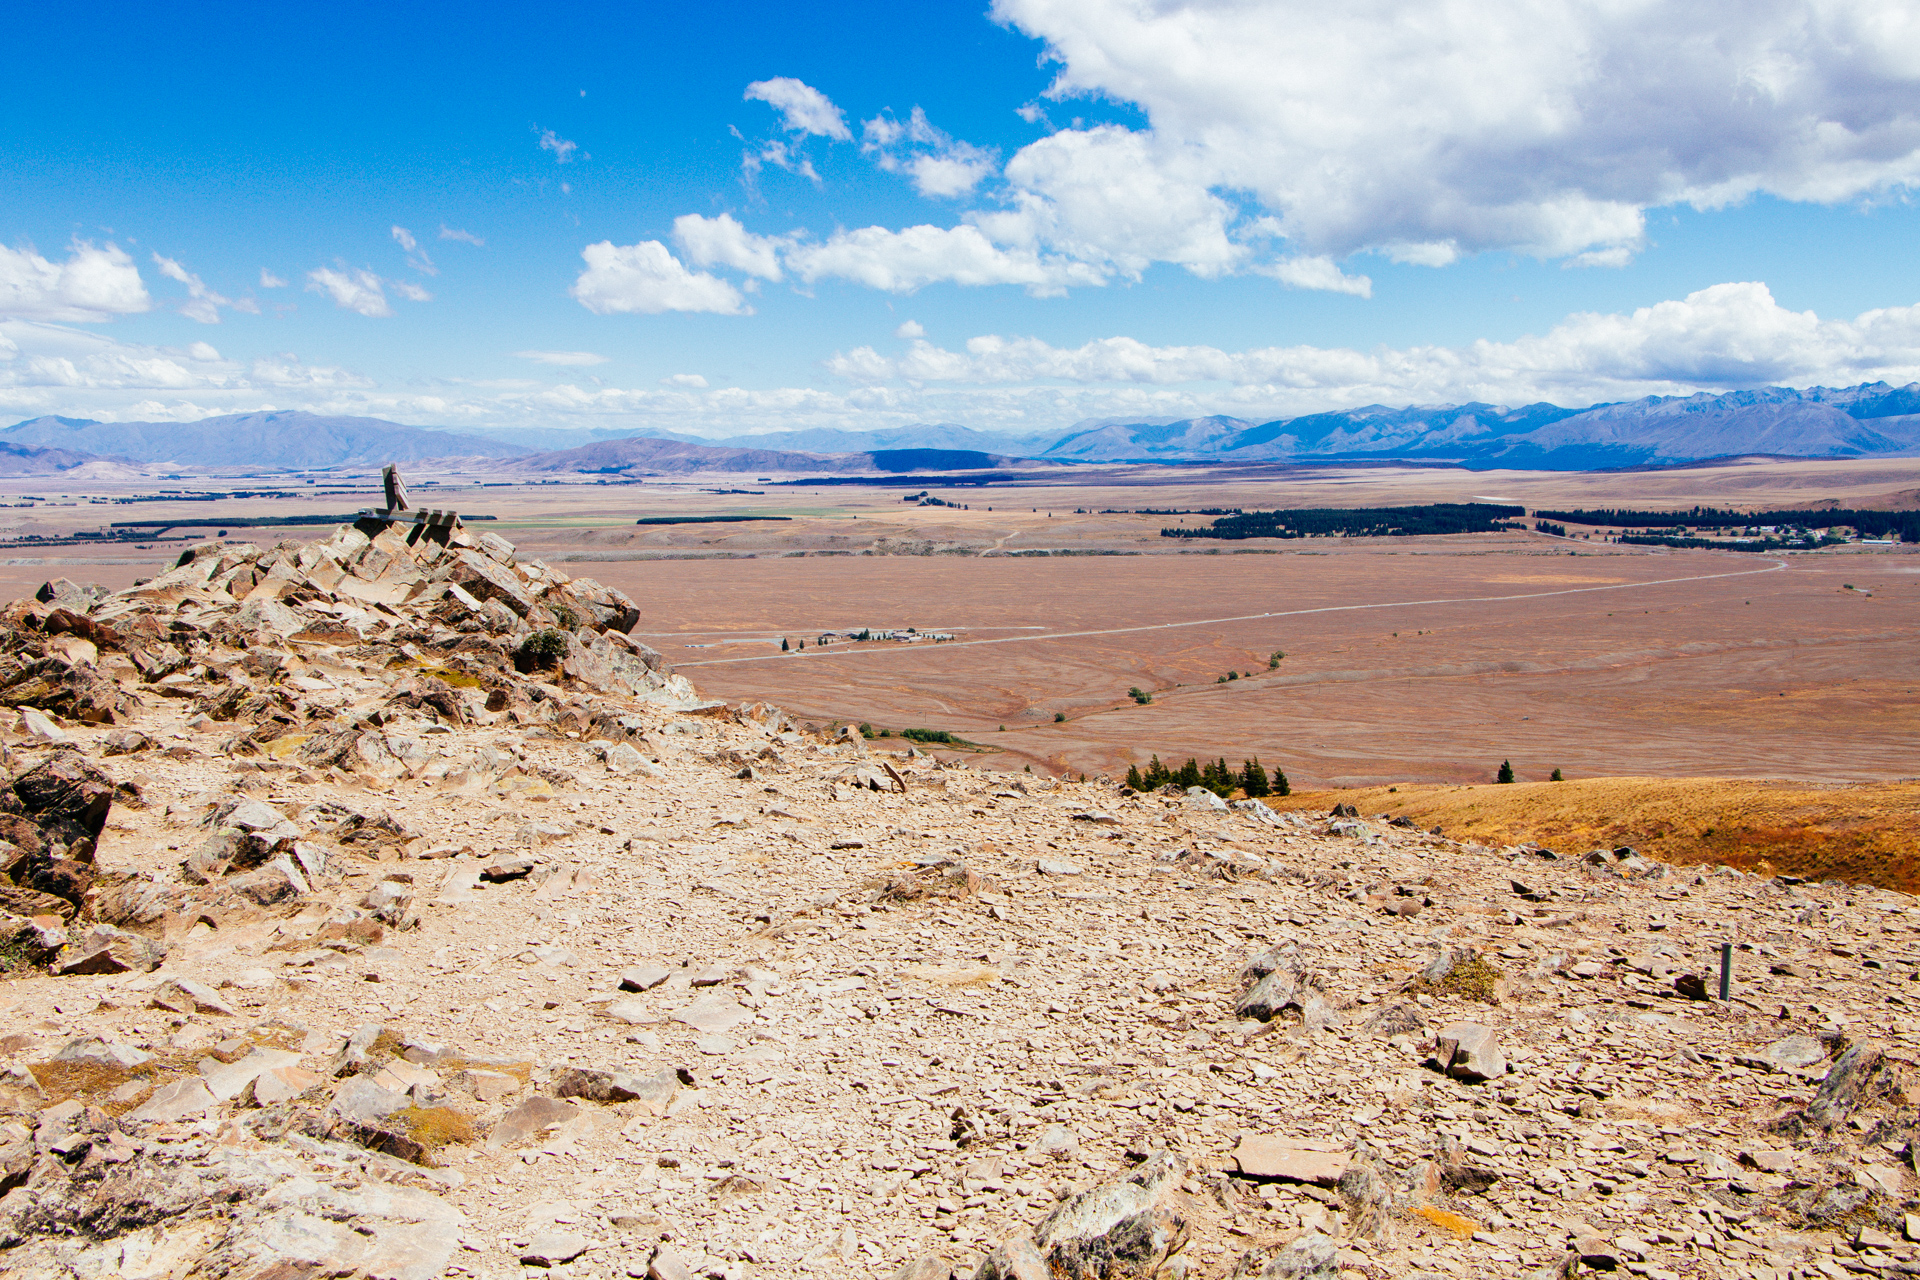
[1128, 1229]
[53, 814]
[72, 689]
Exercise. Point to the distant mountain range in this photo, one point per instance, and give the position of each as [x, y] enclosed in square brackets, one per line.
[1872, 420]
[1869, 420]
[284, 440]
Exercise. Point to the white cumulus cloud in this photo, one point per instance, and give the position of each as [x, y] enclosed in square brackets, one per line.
[723, 242]
[96, 282]
[691, 381]
[1316, 271]
[939, 165]
[803, 109]
[268, 280]
[1543, 126]
[351, 290]
[416, 256]
[902, 261]
[1728, 336]
[564, 358]
[465, 237]
[202, 303]
[646, 277]
[561, 148]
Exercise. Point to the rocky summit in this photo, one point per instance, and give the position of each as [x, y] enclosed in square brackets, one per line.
[376, 907]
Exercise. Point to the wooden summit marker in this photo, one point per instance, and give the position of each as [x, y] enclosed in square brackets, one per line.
[397, 510]
[396, 487]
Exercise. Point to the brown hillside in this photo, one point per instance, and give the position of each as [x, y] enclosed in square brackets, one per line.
[1867, 833]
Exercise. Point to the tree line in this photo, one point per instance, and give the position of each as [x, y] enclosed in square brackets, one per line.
[1359, 522]
[1902, 525]
[1216, 776]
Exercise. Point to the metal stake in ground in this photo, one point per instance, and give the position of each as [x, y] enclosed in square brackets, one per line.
[1726, 971]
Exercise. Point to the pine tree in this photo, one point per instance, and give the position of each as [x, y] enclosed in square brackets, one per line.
[1506, 772]
[1156, 774]
[1188, 774]
[1253, 780]
[783, 644]
[1280, 787]
[1134, 779]
[1558, 776]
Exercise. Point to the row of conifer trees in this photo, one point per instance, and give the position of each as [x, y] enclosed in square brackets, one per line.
[1216, 776]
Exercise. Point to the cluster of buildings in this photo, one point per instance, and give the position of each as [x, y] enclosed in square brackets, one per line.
[905, 635]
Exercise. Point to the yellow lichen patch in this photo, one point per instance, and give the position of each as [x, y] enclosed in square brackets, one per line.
[434, 1127]
[458, 679]
[1447, 1220]
[281, 748]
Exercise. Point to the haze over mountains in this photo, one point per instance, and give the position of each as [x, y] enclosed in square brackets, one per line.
[289, 440]
[1874, 419]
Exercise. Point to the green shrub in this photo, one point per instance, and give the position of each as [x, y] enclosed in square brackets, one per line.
[544, 648]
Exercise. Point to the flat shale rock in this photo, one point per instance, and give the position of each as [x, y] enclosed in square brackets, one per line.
[527, 1120]
[714, 1014]
[1789, 1053]
[1291, 1160]
[176, 1100]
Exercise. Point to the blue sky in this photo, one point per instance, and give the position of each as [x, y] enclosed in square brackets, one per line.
[737, 218]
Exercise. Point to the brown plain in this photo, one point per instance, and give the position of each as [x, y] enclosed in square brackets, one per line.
[1408, 660]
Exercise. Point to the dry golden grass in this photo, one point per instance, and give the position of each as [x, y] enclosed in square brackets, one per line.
[1867, 833]
[94, 1083]
[1475, 979]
